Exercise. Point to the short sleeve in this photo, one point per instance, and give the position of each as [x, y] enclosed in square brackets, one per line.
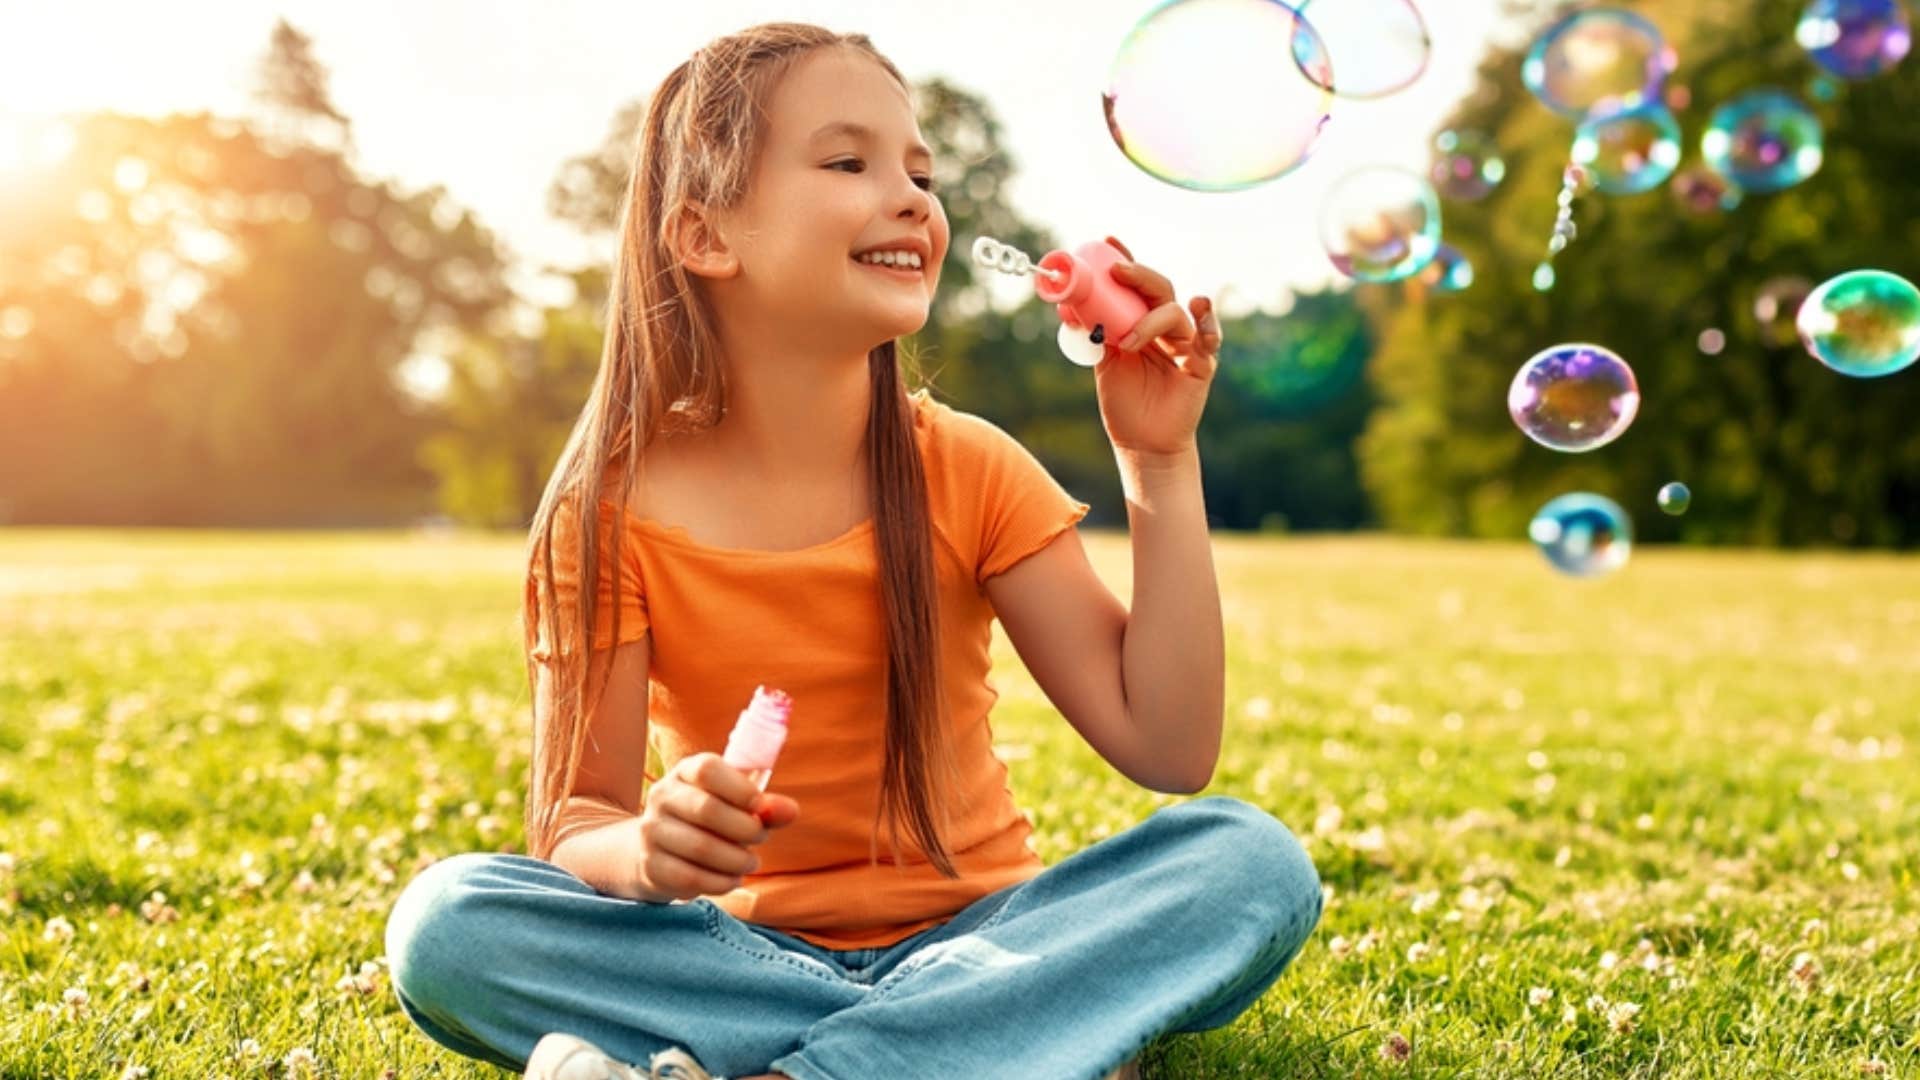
[631, 599]
[1022, 508]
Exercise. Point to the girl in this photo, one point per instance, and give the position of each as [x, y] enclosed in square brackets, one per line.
[803, 522]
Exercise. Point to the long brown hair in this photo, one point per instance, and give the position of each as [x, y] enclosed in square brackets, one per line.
[660, 373]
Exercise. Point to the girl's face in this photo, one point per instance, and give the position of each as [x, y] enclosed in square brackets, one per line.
[842, 171]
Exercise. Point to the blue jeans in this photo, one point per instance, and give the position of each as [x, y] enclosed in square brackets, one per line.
[1177, 924]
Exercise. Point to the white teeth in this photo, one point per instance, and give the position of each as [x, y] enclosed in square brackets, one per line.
[892, 258]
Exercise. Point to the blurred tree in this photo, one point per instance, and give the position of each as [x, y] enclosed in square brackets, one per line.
[1777, 448]
[216, 321]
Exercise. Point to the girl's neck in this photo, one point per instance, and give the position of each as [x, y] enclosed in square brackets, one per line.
[792, 419]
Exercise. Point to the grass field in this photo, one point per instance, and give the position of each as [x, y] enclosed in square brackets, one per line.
[1665, 824]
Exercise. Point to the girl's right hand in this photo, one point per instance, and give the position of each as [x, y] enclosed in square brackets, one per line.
[696, 827]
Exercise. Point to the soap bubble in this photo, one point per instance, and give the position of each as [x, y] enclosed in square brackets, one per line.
[1466, 165]
[1864, 323]
[1629, 152]
[1380, 223]
[1448, 272]
[1763, 140]
[1712, 341]
[1186, 76]
[1376, 46]
[1598, 60]
[1776, 307]
[1674, 498]
[1700, 190]
[1544, 277]
[1583, 534]
[1855, 39]
[1574, 397]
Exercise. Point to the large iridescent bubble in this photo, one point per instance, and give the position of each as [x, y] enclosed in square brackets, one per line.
[1466, 165]
[1864, 323]
[1574, 397]
[1598, 60]
[1763, 140]
[1380, 223]
[1189, 76]
[1377, 46]
[1629, 152]
[1855, 39]
[1583, 534]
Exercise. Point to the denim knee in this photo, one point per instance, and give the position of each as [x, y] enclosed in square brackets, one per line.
[424, 941]
[1261, 858]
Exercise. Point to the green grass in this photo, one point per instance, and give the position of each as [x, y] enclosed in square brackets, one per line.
[1704, 766]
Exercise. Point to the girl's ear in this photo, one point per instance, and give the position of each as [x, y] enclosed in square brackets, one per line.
[695, 240]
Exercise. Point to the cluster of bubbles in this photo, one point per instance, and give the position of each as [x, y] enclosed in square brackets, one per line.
[1184, 58]
[1572, 179]
[1606, 69]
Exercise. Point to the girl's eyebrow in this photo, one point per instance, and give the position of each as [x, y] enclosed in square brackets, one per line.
[861, 131]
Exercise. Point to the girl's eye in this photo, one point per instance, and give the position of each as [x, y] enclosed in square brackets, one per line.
[927, 183]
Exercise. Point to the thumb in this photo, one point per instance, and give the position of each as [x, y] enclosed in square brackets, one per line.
[776, 811]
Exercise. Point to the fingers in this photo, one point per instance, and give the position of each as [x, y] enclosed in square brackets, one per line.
[1144, 280]
[711, 771]
[1203, 357]
[685, 879]
[1207, 320]
[1168, 321]
[704, 849]
[716, 796]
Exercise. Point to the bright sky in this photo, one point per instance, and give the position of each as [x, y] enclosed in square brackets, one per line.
[489, 98]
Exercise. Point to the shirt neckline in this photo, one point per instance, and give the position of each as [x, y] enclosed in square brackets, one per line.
[679, 536]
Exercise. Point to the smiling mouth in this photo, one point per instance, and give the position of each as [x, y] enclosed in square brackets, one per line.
[902, 272]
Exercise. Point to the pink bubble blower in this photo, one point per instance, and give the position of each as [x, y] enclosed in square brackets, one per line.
[1093, 307]
[759, 734]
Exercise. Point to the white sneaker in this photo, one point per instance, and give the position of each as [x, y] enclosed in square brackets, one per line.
[560, 1056]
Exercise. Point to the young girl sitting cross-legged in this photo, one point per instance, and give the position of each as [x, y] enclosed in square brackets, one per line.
[770, 506]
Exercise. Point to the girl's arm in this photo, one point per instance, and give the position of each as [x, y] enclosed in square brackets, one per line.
[1173, 656]
[1146, 689]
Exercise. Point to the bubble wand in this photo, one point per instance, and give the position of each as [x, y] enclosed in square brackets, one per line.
[1093, 306]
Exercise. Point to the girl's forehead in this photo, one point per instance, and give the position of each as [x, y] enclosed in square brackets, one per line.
[833, 92]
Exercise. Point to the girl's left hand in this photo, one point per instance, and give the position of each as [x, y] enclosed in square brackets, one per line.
[1153, 384]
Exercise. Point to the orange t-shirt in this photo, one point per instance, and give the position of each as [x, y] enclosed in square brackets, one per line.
[809, 622]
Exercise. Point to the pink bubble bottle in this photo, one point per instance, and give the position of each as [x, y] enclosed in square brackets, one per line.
[759, 734]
